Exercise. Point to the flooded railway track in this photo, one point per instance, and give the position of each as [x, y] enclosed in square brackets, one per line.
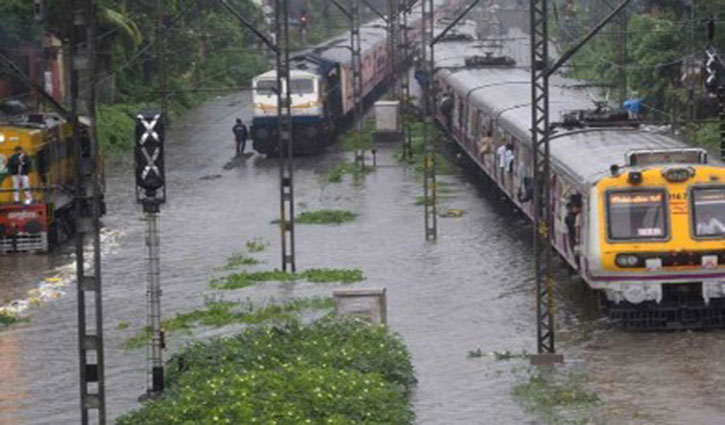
[472, 290]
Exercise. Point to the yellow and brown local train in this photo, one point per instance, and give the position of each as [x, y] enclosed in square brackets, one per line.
[36, 224]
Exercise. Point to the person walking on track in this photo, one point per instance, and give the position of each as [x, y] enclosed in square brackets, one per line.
[240, 134]
[19, 167]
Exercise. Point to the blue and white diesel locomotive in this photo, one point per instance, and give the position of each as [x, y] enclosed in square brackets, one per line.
[322, 90]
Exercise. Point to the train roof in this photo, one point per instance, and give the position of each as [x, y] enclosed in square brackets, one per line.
[504, 93]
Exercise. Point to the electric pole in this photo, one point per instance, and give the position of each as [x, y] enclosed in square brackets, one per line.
[429, 107]
[541, 71]
[284, 123]
[88, 209]
[284, 131]
[357, 83]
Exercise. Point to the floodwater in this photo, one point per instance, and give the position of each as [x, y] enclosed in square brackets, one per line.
[471, 289]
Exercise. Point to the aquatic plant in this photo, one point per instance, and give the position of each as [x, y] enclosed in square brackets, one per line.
[346, 167]
[325, 217]
[222, 313]
[333, 275]
[7, 319]
[245, 279]
[256, 245]
[330, 372]
[556, 397]
[239, 259]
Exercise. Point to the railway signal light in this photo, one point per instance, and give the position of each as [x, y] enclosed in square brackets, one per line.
[149, 156]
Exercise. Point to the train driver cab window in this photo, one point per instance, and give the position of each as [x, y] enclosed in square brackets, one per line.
[302, 85]
[709, 211]
[266, 87]
[637, 214]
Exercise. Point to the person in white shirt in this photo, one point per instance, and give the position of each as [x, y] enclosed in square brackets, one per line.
[501, 160]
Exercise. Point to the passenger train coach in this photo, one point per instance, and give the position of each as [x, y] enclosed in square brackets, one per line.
[639, 215]
[322, 90]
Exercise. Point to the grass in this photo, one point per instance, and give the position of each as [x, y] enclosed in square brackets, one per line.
[557, 398]
[366, 139]
[325, 217]
[346, 167]
[238, 259]
[122, 325]
[245, 279]
[256, 245]
[222, 313]
[7, 319]
[333, 275]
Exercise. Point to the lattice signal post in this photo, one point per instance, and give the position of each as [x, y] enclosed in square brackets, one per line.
[88, 208]
[151, 193]
[715, 79]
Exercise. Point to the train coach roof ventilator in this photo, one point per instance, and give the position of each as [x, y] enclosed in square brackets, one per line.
[601, 116]
[490, 61]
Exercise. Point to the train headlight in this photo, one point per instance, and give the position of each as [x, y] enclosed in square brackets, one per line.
[627, 260]
[677, 175]
[2, 138]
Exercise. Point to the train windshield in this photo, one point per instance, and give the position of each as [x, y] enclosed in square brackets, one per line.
[302, 86]
[637, 214]
[709, 211]
[266, 87]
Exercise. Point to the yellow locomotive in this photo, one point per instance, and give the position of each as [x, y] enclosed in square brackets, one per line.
[33, 219]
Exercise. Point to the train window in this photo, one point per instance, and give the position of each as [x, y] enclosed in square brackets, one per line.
[302, 85]
[637, 214]
[266, 87]
[709, 211]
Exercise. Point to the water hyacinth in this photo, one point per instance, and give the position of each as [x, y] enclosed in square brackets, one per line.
[330, 372]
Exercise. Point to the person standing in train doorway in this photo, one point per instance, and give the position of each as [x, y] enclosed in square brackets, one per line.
[240, 135]
[501, 163]
[19, 167]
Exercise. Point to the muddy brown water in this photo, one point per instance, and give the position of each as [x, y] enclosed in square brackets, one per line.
[471, 289]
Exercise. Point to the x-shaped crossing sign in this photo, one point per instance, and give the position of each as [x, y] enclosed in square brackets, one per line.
[149, 174]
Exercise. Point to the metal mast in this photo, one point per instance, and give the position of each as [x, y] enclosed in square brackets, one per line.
[87, 210]
[429, 107]
[357, 83]
[541, 71]
[404, 93]
[284, 134]
[542, 212]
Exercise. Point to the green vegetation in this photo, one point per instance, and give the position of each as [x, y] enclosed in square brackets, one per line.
[330, 372]
[256, 245]
[202, 52]
[222, 313]
[325, 217]
[245, 279]
[7, 319]
[366, 138]
[333, 275]
[557, 398]
[657, 48]
[346, 167]
[239, 259]
[122, 325]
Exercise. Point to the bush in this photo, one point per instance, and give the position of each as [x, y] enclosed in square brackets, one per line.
[330, 372]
